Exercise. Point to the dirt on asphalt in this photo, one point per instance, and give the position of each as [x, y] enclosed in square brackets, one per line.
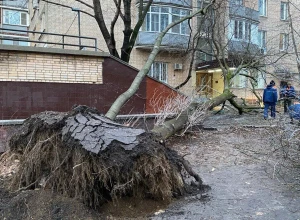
[231, 154]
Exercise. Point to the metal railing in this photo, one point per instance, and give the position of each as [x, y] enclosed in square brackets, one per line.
[62, 43]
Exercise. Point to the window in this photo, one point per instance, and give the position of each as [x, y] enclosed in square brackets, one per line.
[158, 18]
[283, 42]
[262, 7]
[16, 42]
[283, 10]
[242, 30]
[262, 39]
[239, 82]
[158, 71]
[15, 17]
[260, 77]
[237, 2]
[7, 42]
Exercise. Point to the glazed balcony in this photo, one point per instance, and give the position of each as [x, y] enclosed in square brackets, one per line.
[185, 3]
[14, 3]
[170, 41]
[240, 47]
[243, 12]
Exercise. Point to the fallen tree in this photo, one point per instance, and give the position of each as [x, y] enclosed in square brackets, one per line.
[84, 155]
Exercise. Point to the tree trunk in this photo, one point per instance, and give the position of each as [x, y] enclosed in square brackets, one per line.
[172, 126]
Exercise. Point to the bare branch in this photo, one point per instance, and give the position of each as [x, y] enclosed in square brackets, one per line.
[66, 6]
[84, 3]
[110, 42]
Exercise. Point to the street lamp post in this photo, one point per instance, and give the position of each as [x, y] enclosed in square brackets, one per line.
[78, 15]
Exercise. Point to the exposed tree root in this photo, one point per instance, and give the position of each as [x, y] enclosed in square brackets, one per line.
[83, 155]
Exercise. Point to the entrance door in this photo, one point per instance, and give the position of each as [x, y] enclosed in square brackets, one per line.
[204, 83]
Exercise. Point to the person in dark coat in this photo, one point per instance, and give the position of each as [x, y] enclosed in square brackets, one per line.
[287, 93]
[270, 99]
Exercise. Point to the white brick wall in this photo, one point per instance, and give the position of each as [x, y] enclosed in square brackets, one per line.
[41, 67]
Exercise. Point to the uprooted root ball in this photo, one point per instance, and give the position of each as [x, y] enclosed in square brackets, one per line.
[83, 155]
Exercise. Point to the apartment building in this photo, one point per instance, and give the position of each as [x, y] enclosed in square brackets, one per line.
[261, 27]
[170, 66]
[266, 28]
[279, 39]
[13, 22]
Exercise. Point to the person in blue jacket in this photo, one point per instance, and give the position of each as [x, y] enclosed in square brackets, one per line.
[294, 111]
[287, 93]
[270, 99]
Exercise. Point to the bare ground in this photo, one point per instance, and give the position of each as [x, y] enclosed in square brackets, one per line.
[231, 154]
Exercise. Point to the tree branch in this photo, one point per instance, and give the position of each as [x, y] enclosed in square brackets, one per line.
[126, 51]
[66, 6]
[109, 40]
[119, 102]
[84, 3]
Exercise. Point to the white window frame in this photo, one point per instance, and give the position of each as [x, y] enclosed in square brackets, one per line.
[7, 20]
[159, 71]
[283, 11]
[262, 36]
[156, 13]
[242, 30]
[283, 41]
[238, 2]
[262, 7]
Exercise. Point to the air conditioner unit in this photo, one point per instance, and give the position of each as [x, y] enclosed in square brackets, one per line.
[177, 66]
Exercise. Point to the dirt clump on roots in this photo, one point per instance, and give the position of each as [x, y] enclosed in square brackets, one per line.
[84, 156]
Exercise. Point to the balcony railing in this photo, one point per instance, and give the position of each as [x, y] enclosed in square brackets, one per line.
[61, 43]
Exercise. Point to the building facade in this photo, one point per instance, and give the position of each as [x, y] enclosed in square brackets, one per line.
[14, 21]
[171, 64]
[260, 27]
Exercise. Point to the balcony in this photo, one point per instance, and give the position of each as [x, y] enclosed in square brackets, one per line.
[243, 12]
[177, 42]
[186, 3]
[240, 47]
[14, 3]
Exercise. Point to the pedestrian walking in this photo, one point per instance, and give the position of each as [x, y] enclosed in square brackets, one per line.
[270, 99]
